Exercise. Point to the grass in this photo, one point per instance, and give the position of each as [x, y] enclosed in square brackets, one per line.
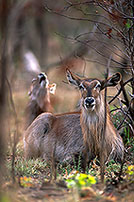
[118, 118]
[30, 168]
[39, 169]
[32, 174]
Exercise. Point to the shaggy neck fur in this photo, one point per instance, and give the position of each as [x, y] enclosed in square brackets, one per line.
[92, 123]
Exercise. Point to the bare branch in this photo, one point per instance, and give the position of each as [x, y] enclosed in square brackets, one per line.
[86, 43]
[16, 134]
[84, 19]
[120, 90]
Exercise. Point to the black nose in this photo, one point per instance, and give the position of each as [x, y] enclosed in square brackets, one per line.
[42, 77]
[89, 102]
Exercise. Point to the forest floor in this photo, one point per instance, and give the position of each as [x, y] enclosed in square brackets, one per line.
[57, 191]
[33, 181]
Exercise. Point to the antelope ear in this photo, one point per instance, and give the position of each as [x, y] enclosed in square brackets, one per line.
[114, 79]
[34, 79]
[52, 88]
[111, 81]
[73, 79]
[29, 93]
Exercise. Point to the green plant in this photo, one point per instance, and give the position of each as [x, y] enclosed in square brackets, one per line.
[32, 167]
[130, 173]
[80, 180]
[26, 181]
[64, 169]
[117, 120]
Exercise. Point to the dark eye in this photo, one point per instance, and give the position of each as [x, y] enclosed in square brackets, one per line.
[81, 87]
[33, 80]
[98, 86]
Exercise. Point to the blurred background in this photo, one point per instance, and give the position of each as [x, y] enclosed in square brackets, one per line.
[50, 36]
[57, 37]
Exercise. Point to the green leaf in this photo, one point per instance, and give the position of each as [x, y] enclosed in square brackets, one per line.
[128, 24]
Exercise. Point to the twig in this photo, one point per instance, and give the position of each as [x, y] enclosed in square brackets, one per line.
[120, 90]
[3, 93]
[53, 163]
[78, 52]
[87, 45]
[15, 137]
[82, 19]
[122, 164]
[126, 114]
[102, 152]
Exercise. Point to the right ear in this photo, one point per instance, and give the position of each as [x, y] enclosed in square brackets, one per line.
[52, 88]
[73, 79]
[111, 81]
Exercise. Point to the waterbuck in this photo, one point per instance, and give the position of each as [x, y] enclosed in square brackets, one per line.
[92, 118]
[62, 133]
[39, 97]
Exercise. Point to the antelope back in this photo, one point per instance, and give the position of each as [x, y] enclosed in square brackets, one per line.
[48, 131]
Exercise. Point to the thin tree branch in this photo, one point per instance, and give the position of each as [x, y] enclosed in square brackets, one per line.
[15, 137]
[119, 91]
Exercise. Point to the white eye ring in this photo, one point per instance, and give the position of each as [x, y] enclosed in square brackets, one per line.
[81, 87]
[98, 85]
[34, 79]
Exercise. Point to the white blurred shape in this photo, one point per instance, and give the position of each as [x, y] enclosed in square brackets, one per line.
[31, 63]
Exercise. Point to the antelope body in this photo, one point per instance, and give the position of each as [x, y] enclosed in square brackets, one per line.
[92, 118]
[63, 132]
[39, 98]
[48, 131]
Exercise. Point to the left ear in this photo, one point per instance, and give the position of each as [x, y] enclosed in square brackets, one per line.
[72, 78]
[52, 88]
[111, 81]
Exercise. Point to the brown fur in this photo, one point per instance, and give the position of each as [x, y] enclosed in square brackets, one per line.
[93, 117]
[63, 132]
[39, 98]
[92, 129]
[47, 130]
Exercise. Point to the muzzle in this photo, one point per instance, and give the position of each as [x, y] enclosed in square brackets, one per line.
[42, 77]
[89, 103]
[43, 80]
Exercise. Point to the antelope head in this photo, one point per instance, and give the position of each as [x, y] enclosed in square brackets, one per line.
[91, 96]
[39, 84]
